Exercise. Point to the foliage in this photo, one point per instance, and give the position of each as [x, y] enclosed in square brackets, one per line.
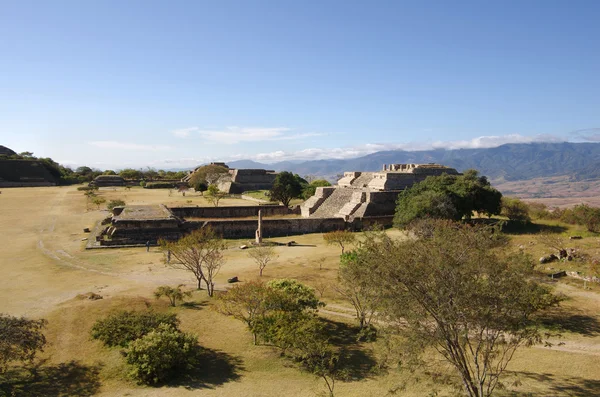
[515, 209]
[286, 187]
[200, 252]
[160, 185]
[247, 302]
[300, 296]
[310, 189]
[262, 255]
[214, 195]
[339, 237]
[200, 187]
[447, 197]
[456, 292]
[581, 214]
[174, 294]
[356, 286]
[208, 174]
[160, 354]
[20, 339]
[98, 201]
[123, 327]
[115, 203]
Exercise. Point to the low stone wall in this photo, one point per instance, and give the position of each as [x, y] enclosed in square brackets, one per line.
[231, 212]
[271, 227]
[25, 184]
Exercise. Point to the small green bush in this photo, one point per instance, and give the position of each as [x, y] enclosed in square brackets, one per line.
[121, 328]
[161, 353]
[115, 203]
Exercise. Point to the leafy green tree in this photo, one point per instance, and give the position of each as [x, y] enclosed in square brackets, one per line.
[301, 297]
[446, 196]
[200, 187]
[161, 354]
[355, 285]
[515, 210]
[200, 252]
[174, 294]
[20, 340]
[455, 292]
[123, 327]
[339, 237]
[286, 187]
[310, 189]
[208, 174]
[214, 195]
[115, 203]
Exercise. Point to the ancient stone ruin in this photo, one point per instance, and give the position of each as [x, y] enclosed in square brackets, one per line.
[108, 180]
[23, 172]
[359, 200]
[237, 181]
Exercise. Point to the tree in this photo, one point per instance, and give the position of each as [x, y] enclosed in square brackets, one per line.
[357, 287]
[208, 174]
[201, 187]
[301, 297]
[214, 195]
[161, 354]
[446, 196]
[248, 303]
[200, 252]
[262, 255]
[130, 173]
[515, 210]
[457, 293]
[310, 189]
[174, 294]
[20, 340]
[285, 187]
[98, 201]
[115, 203]
[339, 237]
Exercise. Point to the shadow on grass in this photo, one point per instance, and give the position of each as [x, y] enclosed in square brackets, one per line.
[65, 379]
[215, 368]
[358, 363]
[563, 320]
[559, 386]
[194, 305]
[516, 228]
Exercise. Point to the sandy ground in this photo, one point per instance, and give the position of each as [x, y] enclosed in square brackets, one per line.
[44, 267]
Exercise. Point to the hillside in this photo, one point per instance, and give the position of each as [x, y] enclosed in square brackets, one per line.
[509, 162]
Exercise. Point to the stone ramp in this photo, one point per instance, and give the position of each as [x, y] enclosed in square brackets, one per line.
[362, 180]
[333, 204]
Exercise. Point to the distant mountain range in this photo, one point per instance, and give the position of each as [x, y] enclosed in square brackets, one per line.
[580, 161]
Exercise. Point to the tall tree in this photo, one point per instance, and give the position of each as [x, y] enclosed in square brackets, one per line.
[457, 293]
[286, 187]
[200, 252]
[20, 339]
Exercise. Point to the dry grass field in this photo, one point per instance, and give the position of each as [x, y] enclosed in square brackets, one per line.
[45, 267]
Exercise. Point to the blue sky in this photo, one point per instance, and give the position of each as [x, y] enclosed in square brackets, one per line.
[170, 84]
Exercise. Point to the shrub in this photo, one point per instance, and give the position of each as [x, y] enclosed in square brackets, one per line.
[20, 339]
[143, 183]
[121, 328]
[160, 354]
[515, 210]
[115, 203]
[160, 185]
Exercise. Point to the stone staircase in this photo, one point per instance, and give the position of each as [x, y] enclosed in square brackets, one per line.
[331, 207]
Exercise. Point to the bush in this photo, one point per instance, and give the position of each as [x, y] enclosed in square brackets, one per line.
[160, 354]
[20, 339]
[515, 210]
[143, 183]
[115, 203]
[121, 328]
[160, 185]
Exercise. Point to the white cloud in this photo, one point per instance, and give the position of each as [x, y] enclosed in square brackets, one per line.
[233, 135]
[129, 146]
[362, 150]
[587, 135]
[184, 132]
